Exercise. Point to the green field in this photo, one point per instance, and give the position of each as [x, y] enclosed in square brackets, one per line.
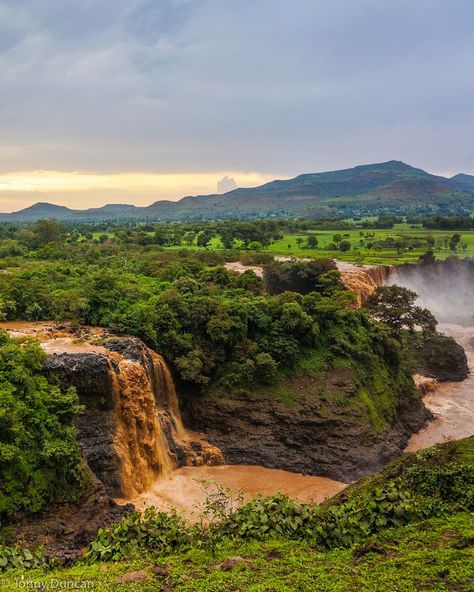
[288, 246]
[358, 253]
[361, 254]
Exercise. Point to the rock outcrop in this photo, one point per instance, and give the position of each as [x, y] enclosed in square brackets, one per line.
[311, 435]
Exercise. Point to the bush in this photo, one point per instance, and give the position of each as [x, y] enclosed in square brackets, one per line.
[150, 531]
[17, 558]
[39, 456]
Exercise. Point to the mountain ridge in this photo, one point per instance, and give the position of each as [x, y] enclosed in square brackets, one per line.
[391, 187]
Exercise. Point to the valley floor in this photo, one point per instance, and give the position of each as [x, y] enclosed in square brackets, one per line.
[431, 556]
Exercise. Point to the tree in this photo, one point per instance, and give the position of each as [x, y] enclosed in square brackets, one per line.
[395, 306]
[204, 238]
[427, 258]
[190, 237]
[39, 456]
[266, 368]
[49, 231]
[311, 242]
[344, 246]
[454, 241]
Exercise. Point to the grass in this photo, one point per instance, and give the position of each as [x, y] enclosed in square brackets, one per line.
[433, 556]
[288, 246]
[358, 254]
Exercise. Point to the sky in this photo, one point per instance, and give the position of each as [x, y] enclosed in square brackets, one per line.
[114, 101]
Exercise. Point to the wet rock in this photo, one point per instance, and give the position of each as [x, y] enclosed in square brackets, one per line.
[441, 357]
[306, 438]
[132, 577]
[89, 373]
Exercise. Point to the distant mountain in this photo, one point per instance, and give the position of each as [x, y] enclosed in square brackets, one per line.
[386, 188]
[466, 181]
[37, 211]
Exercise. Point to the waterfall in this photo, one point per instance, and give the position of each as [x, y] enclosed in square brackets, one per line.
[150, 438]
[364, 279]
[140, 442]
[165, 392]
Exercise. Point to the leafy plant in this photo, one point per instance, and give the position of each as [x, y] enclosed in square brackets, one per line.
[150, 531]
[17, 558]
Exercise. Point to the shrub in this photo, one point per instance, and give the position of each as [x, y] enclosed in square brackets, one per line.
[150, 531]
[17, 558]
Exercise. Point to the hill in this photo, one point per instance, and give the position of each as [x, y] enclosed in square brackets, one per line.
[466, 181]
[376, 189]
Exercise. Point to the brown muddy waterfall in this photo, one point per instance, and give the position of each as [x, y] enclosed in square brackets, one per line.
[132, 434]
[364, 279]
[149, 427]
[140, 441]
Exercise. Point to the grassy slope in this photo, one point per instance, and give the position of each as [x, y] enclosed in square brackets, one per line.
[431, 556]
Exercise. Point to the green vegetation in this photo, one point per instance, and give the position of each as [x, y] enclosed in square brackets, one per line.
[375, 240]
[39, 457]
[406, 528]
[285, 336]
[215, 328]
[433, 555]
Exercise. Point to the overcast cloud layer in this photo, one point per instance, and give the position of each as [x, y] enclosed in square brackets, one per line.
[275, 87]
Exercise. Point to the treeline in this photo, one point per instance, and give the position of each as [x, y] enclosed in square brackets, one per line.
[231, 234]
[215, 327]
[444, 222]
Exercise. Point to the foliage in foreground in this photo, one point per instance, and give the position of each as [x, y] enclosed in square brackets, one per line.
[39, 456]
[433, 555]
[422, 489]
[436, 482]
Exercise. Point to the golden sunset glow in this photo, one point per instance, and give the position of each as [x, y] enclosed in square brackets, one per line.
[22, 188]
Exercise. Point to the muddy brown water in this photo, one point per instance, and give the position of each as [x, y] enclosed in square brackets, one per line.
[185, 491]
[452, 403]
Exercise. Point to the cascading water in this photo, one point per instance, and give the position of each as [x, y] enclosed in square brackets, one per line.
[149, 425]
[165, 392]
[364, 279]
[140, 442]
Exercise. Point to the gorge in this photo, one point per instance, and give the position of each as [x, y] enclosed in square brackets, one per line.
[322, 426]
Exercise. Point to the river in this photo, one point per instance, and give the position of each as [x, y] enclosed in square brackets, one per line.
[452, 403]
[186, 490]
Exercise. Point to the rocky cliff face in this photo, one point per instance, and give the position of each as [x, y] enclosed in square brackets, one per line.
[332, 437]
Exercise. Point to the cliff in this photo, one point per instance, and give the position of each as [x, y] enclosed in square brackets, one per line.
[327, 425]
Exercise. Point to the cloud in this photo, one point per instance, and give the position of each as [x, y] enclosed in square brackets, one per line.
[226, 184]
[196, 86]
